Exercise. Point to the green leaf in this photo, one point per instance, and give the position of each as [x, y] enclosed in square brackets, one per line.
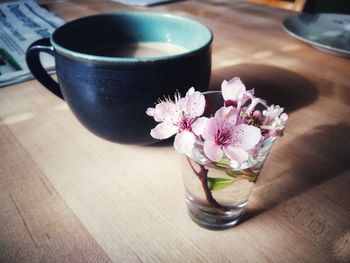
[242, 174]
[224, 162]
[234, 174]
[215, 184]
[246, 174]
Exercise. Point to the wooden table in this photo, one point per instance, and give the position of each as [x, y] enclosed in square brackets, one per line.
[68, 196]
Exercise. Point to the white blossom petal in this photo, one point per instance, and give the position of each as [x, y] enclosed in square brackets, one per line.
[210, 129]
[150, 111]
[233, 89]
[284, 117]
[166, 111]
[190, 91]
[184, 141]
[213, 151]
[226, 116]
[163, 130]
[246, 136]
[199, 125]
[194, 104]
[236, 154]
[220, 116]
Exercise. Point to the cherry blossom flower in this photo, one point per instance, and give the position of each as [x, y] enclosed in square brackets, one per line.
[274, 117]
[234, 93]
[272, 112]
[243, 125]
[180, 117]
[223, 135]
[274, 121]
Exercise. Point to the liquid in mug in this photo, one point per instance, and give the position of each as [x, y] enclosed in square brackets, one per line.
[140, 50]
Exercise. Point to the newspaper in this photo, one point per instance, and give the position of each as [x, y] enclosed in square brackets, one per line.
[21, 23]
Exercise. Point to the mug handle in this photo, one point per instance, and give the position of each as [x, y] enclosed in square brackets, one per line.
[37, 69]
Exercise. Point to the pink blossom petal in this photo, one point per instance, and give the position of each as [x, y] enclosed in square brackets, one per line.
[199, 125]
[220, 116]
[249, 94]
[284, 116]
[231, 116]
[163, 130]
[190, 91]
[231, 90]
[246, 136]
[184, 141]
[226, 115]
[182, 102]
[213, 151]
[165, 111]
[194, 104]
[150, 111]
[236, 154]
[210, 130]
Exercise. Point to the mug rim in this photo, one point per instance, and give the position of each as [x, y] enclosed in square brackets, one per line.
[112, 60]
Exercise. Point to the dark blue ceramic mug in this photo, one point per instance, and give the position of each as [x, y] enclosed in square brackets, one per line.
[112, 67]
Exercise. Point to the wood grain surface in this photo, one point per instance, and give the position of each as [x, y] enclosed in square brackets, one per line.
[68, 196]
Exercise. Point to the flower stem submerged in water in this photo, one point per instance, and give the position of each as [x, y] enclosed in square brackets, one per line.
[216, 195]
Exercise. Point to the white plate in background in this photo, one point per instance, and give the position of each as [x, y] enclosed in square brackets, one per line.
[329, 33]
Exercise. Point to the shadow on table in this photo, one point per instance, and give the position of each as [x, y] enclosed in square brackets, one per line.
[275, 85]
[329, 157]
[162, 143]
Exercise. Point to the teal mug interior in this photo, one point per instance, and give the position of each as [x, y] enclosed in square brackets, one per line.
[81, 37]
